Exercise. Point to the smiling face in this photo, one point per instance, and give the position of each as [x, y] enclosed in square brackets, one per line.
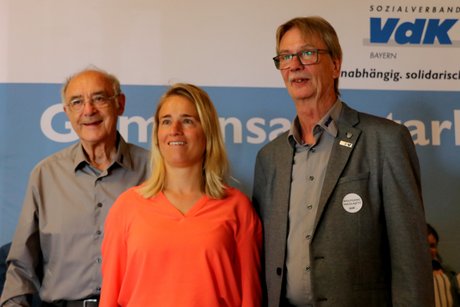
[93, 125]
[181, 138]
[314, 81]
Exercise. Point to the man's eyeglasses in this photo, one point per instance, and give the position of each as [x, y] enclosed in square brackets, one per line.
[99, 101]
[306, 57]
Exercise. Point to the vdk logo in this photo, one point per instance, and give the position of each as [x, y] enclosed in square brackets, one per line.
[421, 31]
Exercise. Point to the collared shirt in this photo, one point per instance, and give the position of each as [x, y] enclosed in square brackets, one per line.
[308, 171]
[61, 224]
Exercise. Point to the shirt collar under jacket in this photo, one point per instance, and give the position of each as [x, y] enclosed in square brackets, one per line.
[327, 123]
[122, 158]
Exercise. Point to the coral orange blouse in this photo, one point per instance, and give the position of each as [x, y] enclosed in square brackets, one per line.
[154, 255]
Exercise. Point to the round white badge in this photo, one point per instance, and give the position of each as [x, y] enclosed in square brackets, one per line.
[352, 203]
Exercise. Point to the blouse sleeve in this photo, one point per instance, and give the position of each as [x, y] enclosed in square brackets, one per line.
[113, 255]
[249, 242]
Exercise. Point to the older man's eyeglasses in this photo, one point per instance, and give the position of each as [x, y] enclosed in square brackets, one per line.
[305, 57]
[99, 101]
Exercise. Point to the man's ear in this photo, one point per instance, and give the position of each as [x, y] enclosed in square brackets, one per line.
[121, 99]
[337, 64]
[64, 107]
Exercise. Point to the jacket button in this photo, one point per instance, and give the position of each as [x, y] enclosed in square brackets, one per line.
[279, 271]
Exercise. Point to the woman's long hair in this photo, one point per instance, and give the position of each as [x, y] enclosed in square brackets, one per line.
[215, 162]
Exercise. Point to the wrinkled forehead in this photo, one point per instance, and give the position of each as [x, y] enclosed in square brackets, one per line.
[309, 36]
[294, 38]
[88, 83]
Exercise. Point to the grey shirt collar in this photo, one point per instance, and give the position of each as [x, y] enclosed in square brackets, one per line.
[326, 123]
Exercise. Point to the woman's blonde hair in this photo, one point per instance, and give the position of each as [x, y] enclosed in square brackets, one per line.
[215, 163]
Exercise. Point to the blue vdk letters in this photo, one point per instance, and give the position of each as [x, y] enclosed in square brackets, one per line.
[411, 32]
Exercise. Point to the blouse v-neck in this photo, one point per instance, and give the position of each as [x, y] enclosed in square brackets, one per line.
[191, 212]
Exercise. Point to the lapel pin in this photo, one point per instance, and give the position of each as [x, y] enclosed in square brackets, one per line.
[346, 144]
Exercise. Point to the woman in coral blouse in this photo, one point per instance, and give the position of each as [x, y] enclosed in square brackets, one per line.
[184, 237]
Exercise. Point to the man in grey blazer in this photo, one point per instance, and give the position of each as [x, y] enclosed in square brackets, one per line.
[339, 193]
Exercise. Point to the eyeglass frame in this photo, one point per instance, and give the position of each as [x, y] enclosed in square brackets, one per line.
[91, 100]
[316, 51]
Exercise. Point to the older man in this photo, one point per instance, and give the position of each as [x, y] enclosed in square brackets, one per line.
[339, 194]
[56, 248]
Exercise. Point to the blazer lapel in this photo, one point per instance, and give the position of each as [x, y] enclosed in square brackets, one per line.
[341, 150]
[283, 179]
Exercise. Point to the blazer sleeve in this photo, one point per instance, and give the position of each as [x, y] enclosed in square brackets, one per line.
[406, 226]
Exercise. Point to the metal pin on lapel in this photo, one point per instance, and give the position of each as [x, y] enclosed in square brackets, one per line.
[348, 135]
[346, 144]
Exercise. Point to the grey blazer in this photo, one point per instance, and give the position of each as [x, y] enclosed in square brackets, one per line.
[377, 256]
